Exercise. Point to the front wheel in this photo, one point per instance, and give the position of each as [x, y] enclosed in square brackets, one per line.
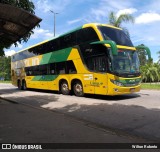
[78, 89]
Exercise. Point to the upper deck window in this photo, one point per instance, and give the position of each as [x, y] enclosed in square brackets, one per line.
[116, 35]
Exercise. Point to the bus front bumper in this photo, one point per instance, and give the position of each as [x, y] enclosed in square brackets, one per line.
[116, 90]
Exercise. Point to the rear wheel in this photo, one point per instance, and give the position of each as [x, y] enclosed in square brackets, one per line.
[78, 89]
[19, 85]
[64, 88]
[24, 87]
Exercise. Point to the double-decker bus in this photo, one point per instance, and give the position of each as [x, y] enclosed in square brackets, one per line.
[92, 59]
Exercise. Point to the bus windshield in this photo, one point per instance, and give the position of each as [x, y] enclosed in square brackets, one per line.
[116, 35]
[126, 62]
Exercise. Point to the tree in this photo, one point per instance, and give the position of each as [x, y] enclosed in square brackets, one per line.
[117, 21]
[158, 56]
[142, 56]
[5, 68]
[23, 4]
[150, 72]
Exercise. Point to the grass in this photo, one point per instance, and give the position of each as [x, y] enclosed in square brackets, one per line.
[155, 86]
[5, 81]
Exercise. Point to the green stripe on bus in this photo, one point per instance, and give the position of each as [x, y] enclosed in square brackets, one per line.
[45, 78]
[56, 56]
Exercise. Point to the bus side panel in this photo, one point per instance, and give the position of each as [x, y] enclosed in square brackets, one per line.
[100, 83]
[85, 76]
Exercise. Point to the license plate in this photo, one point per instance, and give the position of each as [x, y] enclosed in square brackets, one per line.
[132, 89]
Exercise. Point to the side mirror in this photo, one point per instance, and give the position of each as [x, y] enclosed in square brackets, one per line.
[145, 48]
[109, 42]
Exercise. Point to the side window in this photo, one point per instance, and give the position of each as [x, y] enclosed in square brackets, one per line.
[90, 63]
[43, 69]
[22, 55]
[27, 70]
[91, 35]
[63, 43]
[86, 35]
[53, 45]
[66, 41]
[52, 68]
[70, 68]
[35, 70]
[80, 36]
[98, 64]
[60, 68]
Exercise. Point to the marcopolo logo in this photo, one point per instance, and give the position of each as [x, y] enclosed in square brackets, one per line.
[131, 81]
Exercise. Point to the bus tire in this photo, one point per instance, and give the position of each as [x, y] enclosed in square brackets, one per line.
[78, 89]
[24, 86]
[64, 88]
[19, 85]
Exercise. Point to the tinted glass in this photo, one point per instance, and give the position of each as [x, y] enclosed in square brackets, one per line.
[66, 67]
[77, 37]
[52, 68]
[118, 36]
[60, 68]
[126, 63]
[70, 68]
[86, 35]
[42, 69]
[91, 55]
[97, 63]
[22, 55]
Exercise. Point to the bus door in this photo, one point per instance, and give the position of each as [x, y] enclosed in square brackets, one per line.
[100, 80]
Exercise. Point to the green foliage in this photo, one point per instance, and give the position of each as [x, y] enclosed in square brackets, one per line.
[150, 72]
[117, 21]
[23, 4]
[5, 68]
[142, 56]
[158, 56]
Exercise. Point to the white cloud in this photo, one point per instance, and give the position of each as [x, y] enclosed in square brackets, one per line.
[57, 6]
[74, 21]
[116, 6]
[147, 18]
[44, 5]
[102, 9]
[126, 11]
[9, 52]
[20, 45]
[41, 33]
[138, 40]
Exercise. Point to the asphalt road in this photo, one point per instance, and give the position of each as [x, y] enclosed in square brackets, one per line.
[129, 117]
[25, 124]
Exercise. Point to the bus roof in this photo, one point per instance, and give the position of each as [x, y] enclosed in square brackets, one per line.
[84, 26]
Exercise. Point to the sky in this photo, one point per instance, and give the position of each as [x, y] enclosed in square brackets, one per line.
[72, 14]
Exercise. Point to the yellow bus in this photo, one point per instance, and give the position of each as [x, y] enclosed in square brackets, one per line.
[92, 59]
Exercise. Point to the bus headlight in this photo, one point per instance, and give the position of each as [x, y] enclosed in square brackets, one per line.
[117, 83]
